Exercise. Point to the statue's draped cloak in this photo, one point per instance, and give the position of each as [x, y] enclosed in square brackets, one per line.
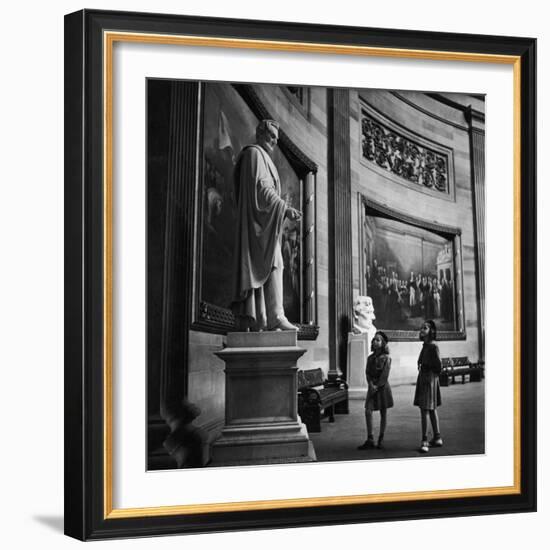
[260, 217]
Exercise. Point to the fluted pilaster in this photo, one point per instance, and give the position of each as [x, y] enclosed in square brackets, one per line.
[477, 145]
[181, 196]
[339, 210]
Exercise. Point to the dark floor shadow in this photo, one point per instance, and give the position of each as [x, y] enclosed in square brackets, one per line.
[56, 523]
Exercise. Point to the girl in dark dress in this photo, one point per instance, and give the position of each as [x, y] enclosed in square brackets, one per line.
[428, 394]
[379, 395]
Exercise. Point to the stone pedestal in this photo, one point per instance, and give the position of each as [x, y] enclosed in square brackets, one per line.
[262, 425]
[358, 351]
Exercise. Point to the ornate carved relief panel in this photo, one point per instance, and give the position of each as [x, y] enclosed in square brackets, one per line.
[397, 153]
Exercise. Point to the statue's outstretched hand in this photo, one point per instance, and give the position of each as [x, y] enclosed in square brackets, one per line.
[293, 214]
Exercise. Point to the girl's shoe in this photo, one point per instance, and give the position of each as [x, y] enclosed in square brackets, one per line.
[369, 444]
[436, 442]
[424, 447]
[380, 444]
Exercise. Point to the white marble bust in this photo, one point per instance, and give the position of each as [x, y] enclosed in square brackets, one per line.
[363, 316]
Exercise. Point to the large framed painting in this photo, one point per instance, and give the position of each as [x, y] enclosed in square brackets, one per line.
[412, 270]
[295, 253]
[230, 114]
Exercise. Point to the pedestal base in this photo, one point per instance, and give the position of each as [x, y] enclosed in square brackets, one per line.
[261, 421]
[358, 351]
[263, 444]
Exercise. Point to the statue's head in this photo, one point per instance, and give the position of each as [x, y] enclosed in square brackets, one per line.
[267, 134]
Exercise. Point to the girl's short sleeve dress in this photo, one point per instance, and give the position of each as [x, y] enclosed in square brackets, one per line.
[428, 392]
[378, 371]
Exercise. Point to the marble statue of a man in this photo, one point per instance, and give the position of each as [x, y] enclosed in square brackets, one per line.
[258, 263]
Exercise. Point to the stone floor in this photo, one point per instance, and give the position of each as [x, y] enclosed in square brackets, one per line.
[462, 419]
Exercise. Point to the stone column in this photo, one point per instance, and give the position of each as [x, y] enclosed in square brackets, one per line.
[339, 218]
[185, 443]
[262, 425]
[476, 121]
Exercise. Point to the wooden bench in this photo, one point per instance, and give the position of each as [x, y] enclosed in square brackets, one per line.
[315, 395]
[452, 367]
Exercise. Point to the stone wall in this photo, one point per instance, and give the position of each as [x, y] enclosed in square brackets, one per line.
[446, 126]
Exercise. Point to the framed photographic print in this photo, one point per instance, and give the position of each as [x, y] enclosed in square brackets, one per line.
[298, 259]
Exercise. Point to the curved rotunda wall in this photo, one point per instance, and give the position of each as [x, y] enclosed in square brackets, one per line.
[443, 128]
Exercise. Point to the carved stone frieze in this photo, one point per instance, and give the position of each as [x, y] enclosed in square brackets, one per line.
[402, 156]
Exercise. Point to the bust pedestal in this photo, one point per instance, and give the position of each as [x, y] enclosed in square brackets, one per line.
[358, 351]
[262, 425]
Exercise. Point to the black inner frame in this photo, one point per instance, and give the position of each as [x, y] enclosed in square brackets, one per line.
[84, 482]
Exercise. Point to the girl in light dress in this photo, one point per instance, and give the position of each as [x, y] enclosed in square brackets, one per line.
[428, 393]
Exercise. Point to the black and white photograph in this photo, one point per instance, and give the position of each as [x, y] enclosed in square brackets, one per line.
[271, 275]
[315, 274]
